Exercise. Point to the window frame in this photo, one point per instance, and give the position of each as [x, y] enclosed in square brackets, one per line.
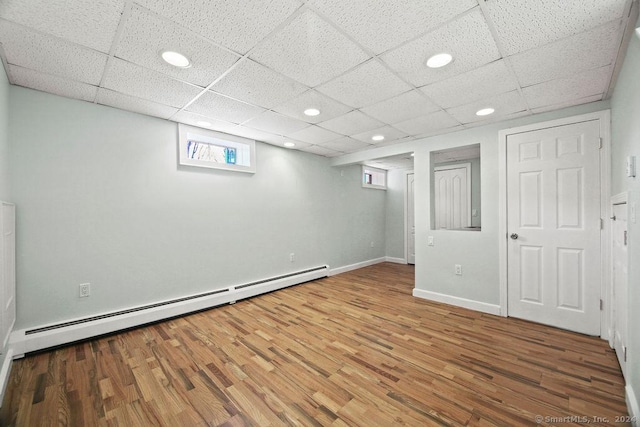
[369, 170]
[188, 133]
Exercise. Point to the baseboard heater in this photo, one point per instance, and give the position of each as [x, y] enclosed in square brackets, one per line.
[34, 339]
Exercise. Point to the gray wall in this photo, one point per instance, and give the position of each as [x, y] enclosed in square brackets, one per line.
[625, 112]
[5, 193]
[395, 213]
[101, 200]
[477, 251]
[4, 136]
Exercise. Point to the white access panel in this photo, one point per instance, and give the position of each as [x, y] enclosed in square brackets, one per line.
[553, 193]
[620, 261]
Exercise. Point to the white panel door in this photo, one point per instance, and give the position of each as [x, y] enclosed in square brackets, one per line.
[452, 198]
[553, 191]
[411, 222]
[620, 262]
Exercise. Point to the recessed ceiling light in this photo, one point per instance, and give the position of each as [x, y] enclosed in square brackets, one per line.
[176, 59]
[439, 60]
[289, 144]
[377, 137]
[311, 112]
[203, 123]
[485, 112]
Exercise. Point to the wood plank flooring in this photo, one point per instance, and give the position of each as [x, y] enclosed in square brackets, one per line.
[350, 350]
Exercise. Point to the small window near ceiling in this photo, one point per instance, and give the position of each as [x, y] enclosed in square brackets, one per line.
[209, 149]
[374, 178]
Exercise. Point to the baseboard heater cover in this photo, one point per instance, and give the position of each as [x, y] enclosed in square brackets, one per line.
[35, 339]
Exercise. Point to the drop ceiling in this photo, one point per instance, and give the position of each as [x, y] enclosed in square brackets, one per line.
[257, 65]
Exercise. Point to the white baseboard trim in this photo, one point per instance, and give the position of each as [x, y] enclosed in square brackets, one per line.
[458, 302]
[5, 370]
[632, 405]
[344, 269]
[38, 338]
[395, 260]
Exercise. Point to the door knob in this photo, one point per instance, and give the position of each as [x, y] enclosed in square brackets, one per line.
[514, 236]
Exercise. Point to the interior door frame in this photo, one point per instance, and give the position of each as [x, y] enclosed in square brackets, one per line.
[406, 213]
[604, 119]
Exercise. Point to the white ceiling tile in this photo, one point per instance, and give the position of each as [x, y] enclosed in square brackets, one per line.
[29, 49]
[237, 25]
[259, 85]
[88, 23]
[276, 123]
[309, 50]
[567, 104]
[137, 105]
[583, 85]
[467, 39]
[321, 151]
[347, 145]
[52, 84]
[146, 35]
[365, 85]
[220, 107]
[569, 56]
[389, 133]
[314, 135]
[351, 123]
[395, 142]
[400, 108]
[250, 133]
[192, 119]
[440, 132]
[473, 85]
[427, 124]
[143, 83]
[504, 104]
[495, 119]
[381, 25]
[525, 24]
[328, 107]
[280, 140]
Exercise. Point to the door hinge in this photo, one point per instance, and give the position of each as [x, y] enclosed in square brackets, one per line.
[600, 142]
[624, 352]
[601, 224]
[625, 237]
[601, 305]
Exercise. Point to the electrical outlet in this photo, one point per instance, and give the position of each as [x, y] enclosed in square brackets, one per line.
[430, 240]
[292, 257]
[372, 244]
[458, 270]
[85, 289]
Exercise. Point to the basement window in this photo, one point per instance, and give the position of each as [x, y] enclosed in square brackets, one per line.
[374, 178]
[208, 149]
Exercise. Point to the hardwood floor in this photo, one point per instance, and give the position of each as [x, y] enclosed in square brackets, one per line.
[350, 350]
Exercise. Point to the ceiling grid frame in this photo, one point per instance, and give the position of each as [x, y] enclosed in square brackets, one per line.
[78, 29]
